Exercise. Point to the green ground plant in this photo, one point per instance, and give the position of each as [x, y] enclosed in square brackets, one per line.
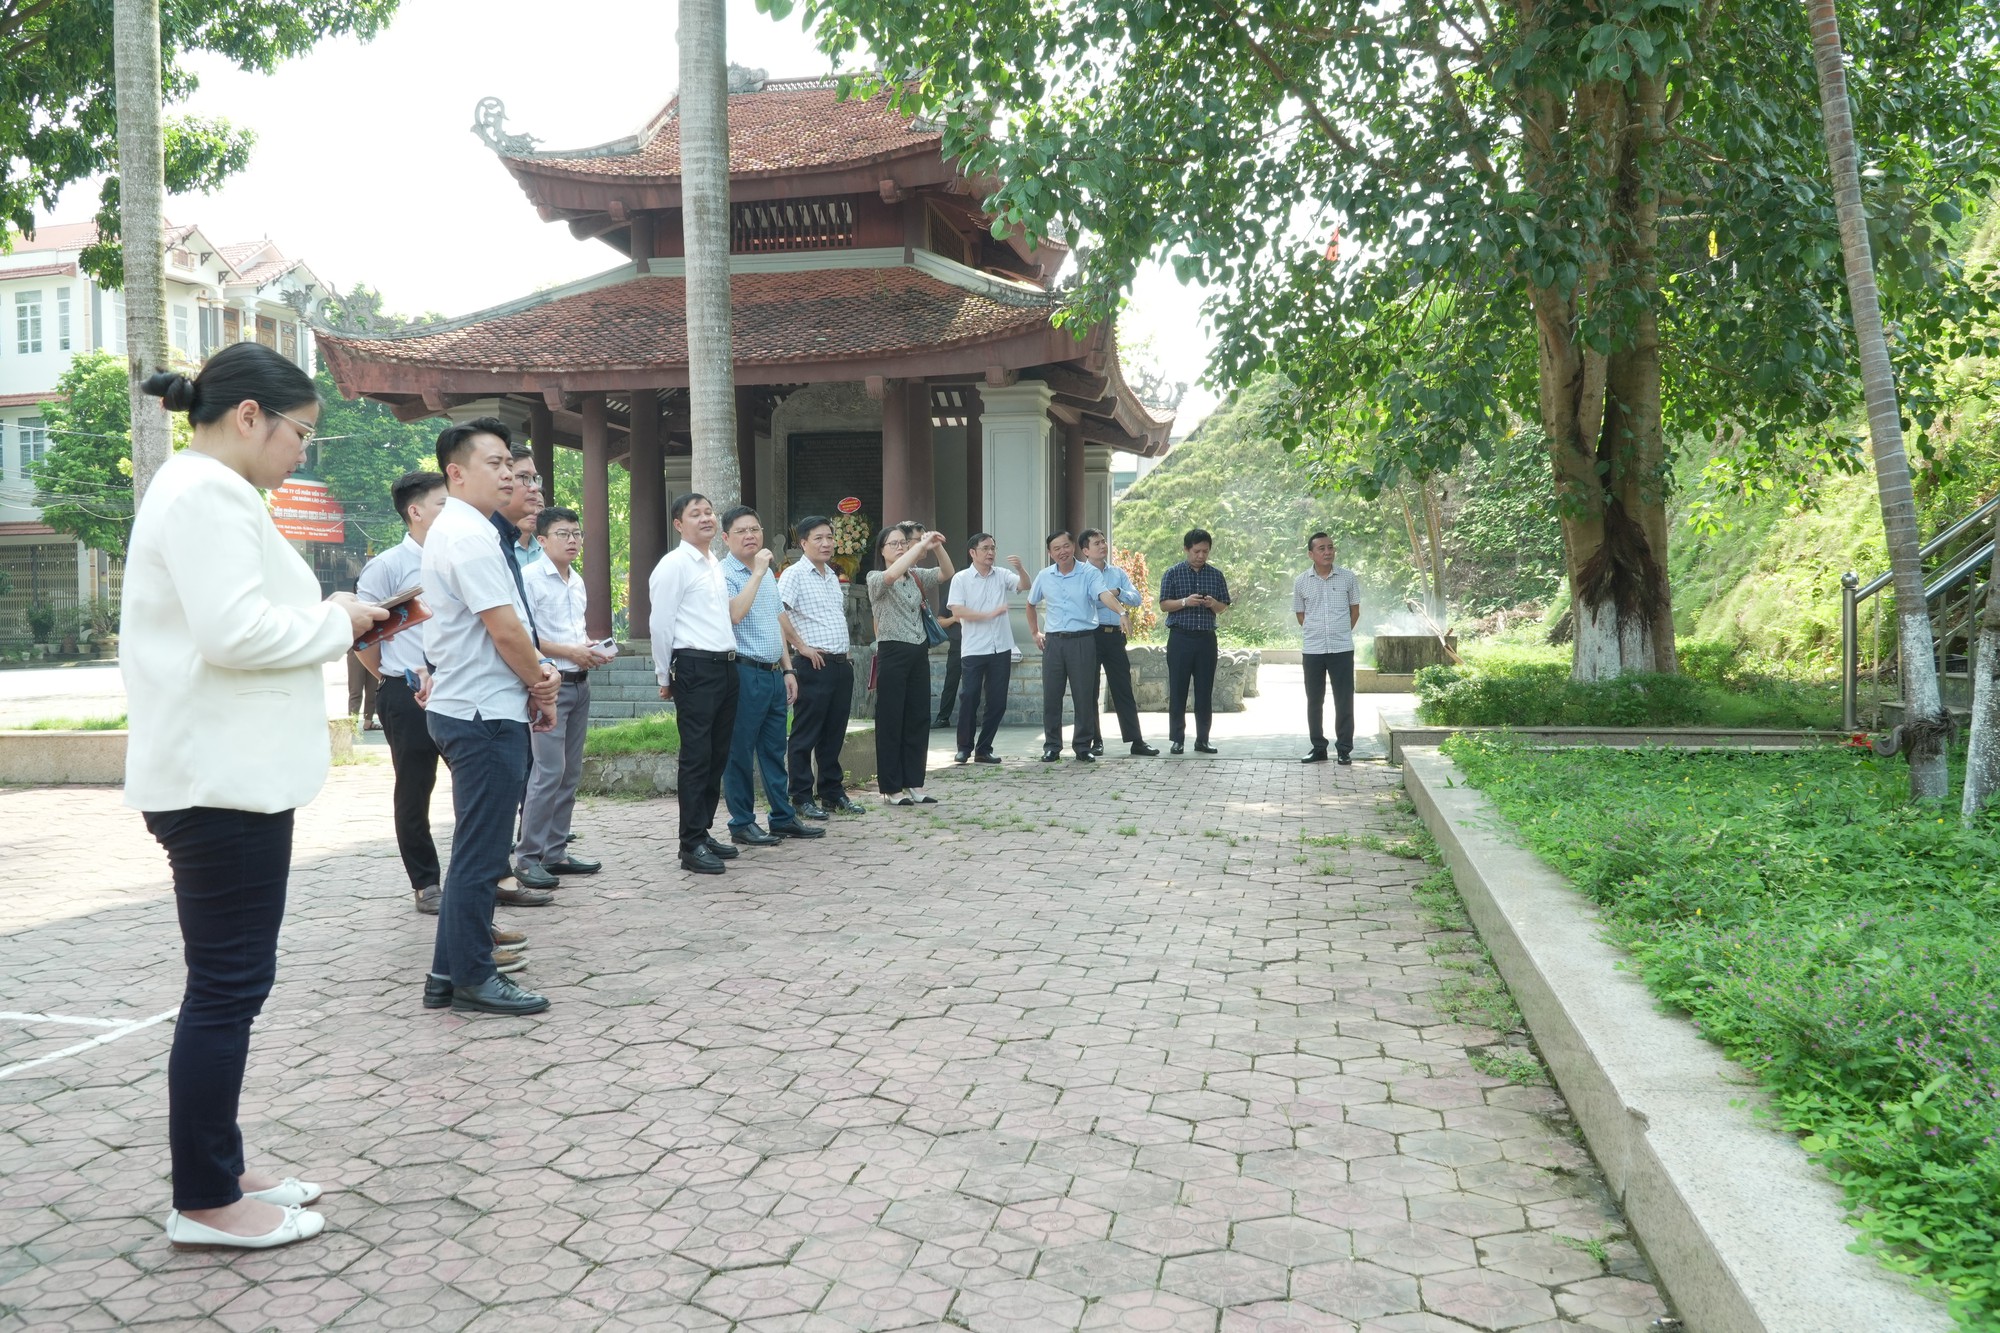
[76, 724]
[656, 733]
[1843, 947]
[1709, 692]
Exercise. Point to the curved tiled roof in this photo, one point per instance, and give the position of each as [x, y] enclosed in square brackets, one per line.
[785, 126]
[642, 324]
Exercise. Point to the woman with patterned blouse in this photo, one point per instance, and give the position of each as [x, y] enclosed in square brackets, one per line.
[897, 593]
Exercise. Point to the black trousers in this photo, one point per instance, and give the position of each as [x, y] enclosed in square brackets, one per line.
[987, 673]
[1069, 661]
[705, 707]
[489, 760]
[953, 670]
[415, 756]
[1118, 679]
[1338, 668]
[1190, 658]
[902, 714]
[819, 730]
[230, 869]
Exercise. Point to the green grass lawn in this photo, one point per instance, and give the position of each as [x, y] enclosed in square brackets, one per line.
[1517, 690]
[75, 724]
[656, 733]
[1842, 943]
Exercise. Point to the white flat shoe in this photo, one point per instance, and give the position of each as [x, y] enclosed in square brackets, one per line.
[298, 1225]
[290, 1192]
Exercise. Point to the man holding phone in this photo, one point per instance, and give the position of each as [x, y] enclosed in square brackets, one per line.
[556, 597]
[1192, 593]
[405, 674]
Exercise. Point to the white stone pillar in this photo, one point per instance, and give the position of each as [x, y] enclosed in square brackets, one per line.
[1097, 489]
[1014, 426]
[680, 480]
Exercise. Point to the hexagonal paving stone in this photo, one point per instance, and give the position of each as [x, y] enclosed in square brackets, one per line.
[1099, 1268]
[1539, 1257]
[1282, 1317]
[1615, 1304]
[1354, 1289]
[1414, 1248]
[1486, 1299]
[1292, 1241]
[1148, 1312]
[1222, 1278]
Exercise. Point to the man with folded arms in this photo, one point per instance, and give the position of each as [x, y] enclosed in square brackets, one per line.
[488, 687]
[980, 600]
[766, 688]
[694, 656]
[1072, 590]
[815, 602]
[1111, 645]
[557, 599]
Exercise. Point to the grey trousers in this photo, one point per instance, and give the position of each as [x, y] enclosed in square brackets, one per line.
[545, 812]
[1069, 664]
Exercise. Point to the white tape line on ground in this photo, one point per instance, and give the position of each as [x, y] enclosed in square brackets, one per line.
[62, 1018]
[122, 1030]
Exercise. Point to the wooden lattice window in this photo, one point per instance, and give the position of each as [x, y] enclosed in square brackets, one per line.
[267, 331]
[777, 225]
[232, 326]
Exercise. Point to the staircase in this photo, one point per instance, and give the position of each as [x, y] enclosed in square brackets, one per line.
[1956, 563]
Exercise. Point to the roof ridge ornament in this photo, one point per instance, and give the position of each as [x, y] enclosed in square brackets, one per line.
[743, 79]
[488, 121]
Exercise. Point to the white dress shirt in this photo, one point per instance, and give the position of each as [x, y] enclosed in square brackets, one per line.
[975, 592]
[382, 578]
[1328, 626]
[223, 637]
[558, 604]
[690, 606]
[464, 573]
[818, 603]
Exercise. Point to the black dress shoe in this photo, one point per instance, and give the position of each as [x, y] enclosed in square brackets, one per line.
[1178, 748]
[1086, 756]
[752, 836]
[846, 806]
[986, 759]
[1051, 756]
[437, 991]
[535, 877]
[1141, 748]
[1317, 756]
[496, 995]
[1097, 748]
[942, 721]
[702, 861]
[1203, 747]
[1344, 761]
[780, 830]
[721, 849]
[961, 756]
[574, 865]
[810, 809]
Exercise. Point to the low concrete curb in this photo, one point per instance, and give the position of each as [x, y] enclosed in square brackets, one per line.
[97, 758]
[1402, 732]
[1744, 1232]
[659, 774]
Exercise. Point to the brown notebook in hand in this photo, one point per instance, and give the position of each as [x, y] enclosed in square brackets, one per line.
[404, 611]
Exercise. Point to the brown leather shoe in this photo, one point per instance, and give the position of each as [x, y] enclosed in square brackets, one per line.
[507, 961]
[509, 939]
[428, 899]
[515, 894]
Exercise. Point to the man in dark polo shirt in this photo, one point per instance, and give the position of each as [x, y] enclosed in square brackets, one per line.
[1192, 593]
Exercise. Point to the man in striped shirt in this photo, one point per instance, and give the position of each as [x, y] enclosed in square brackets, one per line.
[815, 602]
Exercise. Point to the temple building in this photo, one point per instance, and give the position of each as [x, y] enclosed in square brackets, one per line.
[889, 349]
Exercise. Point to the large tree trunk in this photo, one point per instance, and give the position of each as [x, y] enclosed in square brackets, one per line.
[141, 205]
[1982, 759]
[704, 117]
[1927, 727]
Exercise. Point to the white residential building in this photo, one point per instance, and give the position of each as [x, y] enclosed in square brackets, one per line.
[50, 312]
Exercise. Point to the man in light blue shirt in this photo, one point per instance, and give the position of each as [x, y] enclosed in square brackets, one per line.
[766, 688]
[1072, 593]
[1111, 645]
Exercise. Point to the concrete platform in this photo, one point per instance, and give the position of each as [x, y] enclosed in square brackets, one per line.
[1401, 731]
[1745, 1233]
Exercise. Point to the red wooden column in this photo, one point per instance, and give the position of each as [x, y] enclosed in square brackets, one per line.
[542, 439]
[649, 506]
[746, 449]
[596, 516]
[975, 463]
[923, 455]
[895, 456]
[1073, 482]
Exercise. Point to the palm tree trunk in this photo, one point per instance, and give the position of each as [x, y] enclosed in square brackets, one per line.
[1982, 759]
[142, 192]
[1926, 727]
[704, 117]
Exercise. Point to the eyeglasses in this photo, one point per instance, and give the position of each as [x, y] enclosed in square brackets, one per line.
[530, 479]
[563, 535]
[306, 432]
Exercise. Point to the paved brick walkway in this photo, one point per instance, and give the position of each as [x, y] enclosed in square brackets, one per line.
[1077, 1049]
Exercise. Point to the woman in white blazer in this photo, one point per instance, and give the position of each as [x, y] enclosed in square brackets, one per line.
[224, 634]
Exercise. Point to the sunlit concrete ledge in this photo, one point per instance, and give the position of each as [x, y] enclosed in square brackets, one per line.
[95, 758]
[1402, 732]
[1745, 1233]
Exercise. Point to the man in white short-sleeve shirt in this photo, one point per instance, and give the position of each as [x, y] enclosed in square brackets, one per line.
[1327, 601]
[694, 656]
[488, 687]
[981, 597]
[557, 599]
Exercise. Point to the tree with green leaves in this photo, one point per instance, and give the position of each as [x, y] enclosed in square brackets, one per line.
[1437, 218]
[83, 485]
[360, 451]
[57, 80]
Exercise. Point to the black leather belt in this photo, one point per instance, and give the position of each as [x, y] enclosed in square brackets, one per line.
[706, 654]
[1110, 629]
[575, 677]
[760, 666]
[826, 656]
[1069, 633]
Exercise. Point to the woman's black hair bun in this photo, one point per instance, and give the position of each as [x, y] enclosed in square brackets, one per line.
[173, 389]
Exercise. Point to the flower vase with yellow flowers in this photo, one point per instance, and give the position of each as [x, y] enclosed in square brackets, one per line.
[850, 543]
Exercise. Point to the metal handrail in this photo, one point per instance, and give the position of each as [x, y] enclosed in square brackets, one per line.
[1853, 592]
